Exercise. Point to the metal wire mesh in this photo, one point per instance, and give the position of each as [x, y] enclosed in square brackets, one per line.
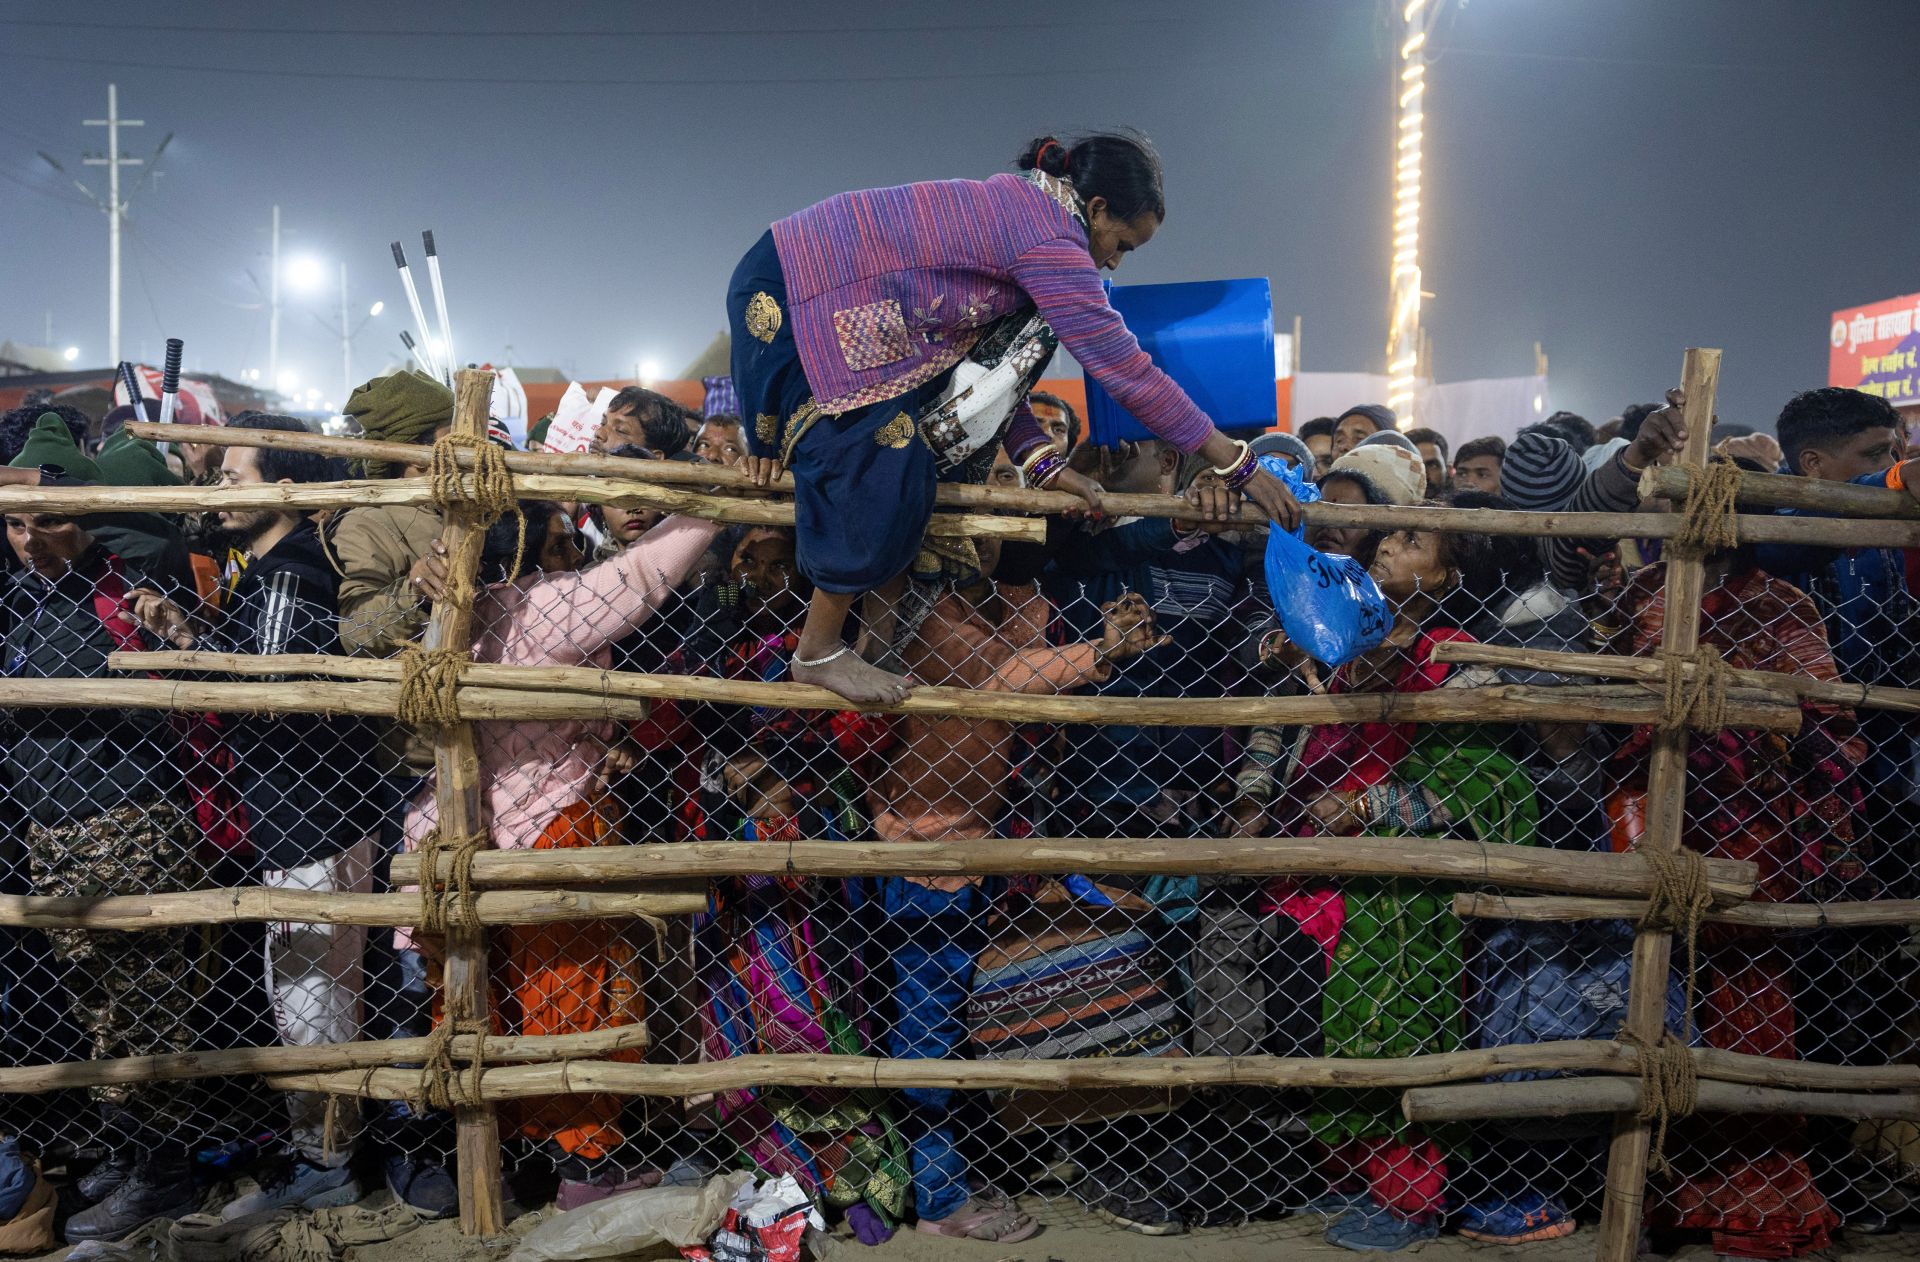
[1009, 968]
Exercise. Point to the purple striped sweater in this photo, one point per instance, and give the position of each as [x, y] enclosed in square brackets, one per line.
[889, 287]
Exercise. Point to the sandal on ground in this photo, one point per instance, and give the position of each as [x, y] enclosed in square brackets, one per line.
[978, 1220]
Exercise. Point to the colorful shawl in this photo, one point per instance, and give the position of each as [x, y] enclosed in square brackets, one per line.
[768, 990]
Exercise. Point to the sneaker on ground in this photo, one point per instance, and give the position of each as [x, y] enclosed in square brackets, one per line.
[1381, 1232]
[1523, 1220]
[1128, 1204]
[426, 1185]
[1335, 1204]
[296, 1183]
[144, 1195]
[108, 1173]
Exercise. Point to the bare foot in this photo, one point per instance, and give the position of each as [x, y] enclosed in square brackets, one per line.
[855, 679]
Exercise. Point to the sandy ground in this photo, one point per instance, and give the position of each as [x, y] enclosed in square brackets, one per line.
[1071, 1235]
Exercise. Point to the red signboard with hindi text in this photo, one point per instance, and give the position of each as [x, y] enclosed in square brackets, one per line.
[1876, 348]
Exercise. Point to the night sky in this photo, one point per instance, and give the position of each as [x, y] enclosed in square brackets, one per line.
[1615, 178]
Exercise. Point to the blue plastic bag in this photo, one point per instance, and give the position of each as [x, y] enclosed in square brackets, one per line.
[1328, 605]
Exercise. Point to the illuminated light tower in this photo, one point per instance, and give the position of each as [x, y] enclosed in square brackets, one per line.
[1403, 280]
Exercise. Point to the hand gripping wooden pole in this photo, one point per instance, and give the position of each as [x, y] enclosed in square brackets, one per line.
[1622, 1210]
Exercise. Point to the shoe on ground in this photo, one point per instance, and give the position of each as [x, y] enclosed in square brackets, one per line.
[1380, 1232]
[1055, 1170]
[425, 1185]
[1525, 1219]
[108, 1173]
[1128, 1204]
[295, 1183]
[144, 1195]
[574, 1193]
[1336, 1204]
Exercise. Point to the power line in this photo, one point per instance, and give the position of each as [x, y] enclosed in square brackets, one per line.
[1054, 71]
[159, 325]
[185, 28]
[151, 249]
[57, 194]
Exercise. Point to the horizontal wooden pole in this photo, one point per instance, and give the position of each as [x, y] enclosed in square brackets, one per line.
[1522, 867]
[1562, 1056]
[1760, 529]
[1747, 1073]
[1782, 490]
[657, 472]
[312, 496]
[376, 700]
[137, 912]
[854, 1072]
[1565, 1097]
[1628, 704]
[1652, 670]
[1892, 912]
[331, 1057]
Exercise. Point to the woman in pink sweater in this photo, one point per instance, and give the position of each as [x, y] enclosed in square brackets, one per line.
[543, 781]
[553, 616]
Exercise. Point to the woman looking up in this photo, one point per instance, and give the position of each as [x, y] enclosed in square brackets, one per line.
[848, 318]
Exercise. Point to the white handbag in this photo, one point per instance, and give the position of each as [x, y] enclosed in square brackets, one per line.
[978, 404]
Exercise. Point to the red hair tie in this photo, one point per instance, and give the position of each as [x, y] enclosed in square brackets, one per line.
[1040, 155]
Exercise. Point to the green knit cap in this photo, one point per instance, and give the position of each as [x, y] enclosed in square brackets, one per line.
[128, 461]
[51, 442]
[401, 407]
[538, 434]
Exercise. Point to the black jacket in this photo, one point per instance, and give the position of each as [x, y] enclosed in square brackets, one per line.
[305, 779]
[64, 766]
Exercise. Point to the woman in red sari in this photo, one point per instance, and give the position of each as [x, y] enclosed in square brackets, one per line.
[1783, 801]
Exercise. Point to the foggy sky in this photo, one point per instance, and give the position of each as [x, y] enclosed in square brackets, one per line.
[1617, 179]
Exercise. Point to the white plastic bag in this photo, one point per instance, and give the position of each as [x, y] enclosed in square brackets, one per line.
[631, 1221]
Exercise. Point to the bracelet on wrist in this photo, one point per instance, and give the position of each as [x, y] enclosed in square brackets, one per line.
[1042, 467]
[1239, 471]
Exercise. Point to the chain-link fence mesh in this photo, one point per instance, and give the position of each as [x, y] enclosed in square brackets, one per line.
[104, 801]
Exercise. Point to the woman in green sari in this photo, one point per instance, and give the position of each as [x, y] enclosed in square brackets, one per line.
[1395, 969]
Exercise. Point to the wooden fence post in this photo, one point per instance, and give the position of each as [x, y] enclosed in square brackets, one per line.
[1624, 1205]
[463, 813]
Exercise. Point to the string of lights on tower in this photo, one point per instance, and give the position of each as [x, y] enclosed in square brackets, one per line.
[1403, 284]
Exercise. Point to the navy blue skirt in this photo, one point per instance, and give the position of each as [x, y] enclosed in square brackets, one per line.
[863, 479]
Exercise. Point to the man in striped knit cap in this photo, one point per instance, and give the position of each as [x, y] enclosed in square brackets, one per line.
[849, 317]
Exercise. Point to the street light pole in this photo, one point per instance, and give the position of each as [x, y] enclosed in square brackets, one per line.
[273, 308]
[115, 208]
[346, 340]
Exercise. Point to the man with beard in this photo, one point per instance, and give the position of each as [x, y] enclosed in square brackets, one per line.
[305, 782]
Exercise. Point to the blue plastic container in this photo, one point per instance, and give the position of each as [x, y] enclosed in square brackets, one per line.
[1214, 337]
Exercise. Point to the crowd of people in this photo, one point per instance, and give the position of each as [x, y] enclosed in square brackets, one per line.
[140, 801]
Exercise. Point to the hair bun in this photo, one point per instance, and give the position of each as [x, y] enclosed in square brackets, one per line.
[1044, 153]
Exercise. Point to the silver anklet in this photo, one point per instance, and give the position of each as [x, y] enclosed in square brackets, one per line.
[836, 655]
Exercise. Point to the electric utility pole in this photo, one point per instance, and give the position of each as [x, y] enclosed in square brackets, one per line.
[116, 208]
